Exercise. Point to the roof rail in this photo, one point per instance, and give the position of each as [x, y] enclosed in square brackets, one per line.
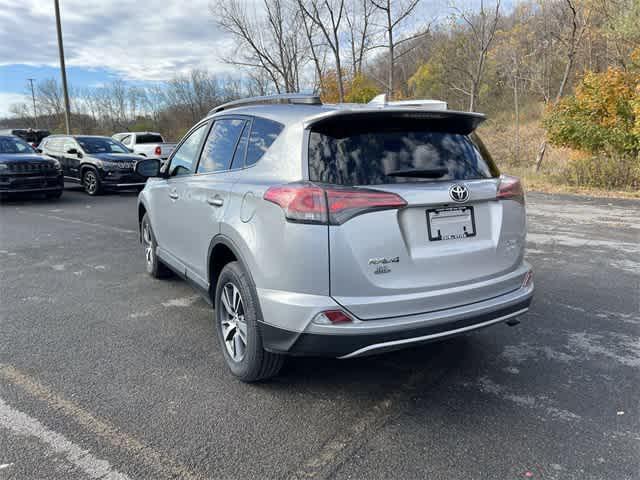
[292, 98]
[381, 100]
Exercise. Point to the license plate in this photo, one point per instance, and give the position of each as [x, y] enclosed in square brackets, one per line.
[450, 223]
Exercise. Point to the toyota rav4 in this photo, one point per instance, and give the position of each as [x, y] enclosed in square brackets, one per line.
[337, 230]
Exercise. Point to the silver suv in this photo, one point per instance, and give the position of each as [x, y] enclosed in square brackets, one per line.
[337, 230]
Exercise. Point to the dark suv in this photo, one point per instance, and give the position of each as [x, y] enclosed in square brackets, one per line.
[32, 136]
[98, 163]
[23, 170]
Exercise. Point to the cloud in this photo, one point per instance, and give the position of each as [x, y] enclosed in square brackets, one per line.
[149, 40]
[7, 99]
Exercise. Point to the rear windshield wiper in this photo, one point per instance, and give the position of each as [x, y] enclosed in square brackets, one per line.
[419, 172]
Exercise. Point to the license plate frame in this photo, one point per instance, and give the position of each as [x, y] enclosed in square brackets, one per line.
[435, 235]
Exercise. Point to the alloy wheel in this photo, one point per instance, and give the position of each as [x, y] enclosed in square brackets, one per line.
[90, 182]
[232, 321]
[148, 244]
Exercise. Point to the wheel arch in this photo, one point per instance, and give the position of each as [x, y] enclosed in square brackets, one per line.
[223, 250]
[84, 166]
[142, 209]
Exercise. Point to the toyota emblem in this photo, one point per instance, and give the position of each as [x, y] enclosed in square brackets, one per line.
[459, 193]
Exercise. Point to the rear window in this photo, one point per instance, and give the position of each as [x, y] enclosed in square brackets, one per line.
[388, 154]
[148, 138]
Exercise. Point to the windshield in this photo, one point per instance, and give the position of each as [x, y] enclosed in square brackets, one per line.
[101, 145]
[14, 145]
[391, 155]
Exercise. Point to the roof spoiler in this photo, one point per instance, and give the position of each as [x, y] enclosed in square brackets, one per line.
[291, 98]
[442, 120]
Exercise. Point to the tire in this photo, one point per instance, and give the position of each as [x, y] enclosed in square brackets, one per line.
[153, 264]
[91, 182]
[245, 357]
[54, 195]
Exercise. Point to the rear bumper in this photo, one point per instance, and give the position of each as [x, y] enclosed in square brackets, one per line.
[376, 336]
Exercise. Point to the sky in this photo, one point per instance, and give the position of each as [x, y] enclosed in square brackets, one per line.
[148, 40]
[140, 41]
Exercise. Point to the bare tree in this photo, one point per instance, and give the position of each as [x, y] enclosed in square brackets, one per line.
[395, 12]
[359, 15]
[271, 42]
[481, 27]
[327, 15]
[315, 50]
[49, 97]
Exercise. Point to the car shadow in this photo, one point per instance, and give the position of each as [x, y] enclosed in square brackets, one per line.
[405, 368]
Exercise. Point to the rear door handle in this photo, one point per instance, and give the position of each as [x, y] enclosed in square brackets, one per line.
[215, 201]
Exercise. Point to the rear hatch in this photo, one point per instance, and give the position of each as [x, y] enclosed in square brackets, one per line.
[455, 242]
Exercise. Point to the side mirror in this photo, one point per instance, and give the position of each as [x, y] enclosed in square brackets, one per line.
[72, 151]
[130, 150]
[38, 150]
[149, 167]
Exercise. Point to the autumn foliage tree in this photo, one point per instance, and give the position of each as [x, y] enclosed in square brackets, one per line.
[602, 120]
[601, 117]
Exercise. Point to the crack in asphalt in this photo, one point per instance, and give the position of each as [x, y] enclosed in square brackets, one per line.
[337, 451]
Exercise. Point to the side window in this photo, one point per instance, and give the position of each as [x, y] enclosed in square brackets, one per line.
[185, 156]
[263, 134]
[221, 144]
[126, 140]
[241, 149]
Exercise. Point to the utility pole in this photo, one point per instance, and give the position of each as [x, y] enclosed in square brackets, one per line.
[33, 97]
[67, 108]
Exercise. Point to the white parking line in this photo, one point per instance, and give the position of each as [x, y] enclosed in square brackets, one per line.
[161, 462]
[89, 224]
[22, 424]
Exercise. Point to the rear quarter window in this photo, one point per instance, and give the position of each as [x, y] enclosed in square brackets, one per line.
[263, 133]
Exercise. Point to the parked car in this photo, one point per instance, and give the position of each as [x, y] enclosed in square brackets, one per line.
[148, 144]
[23, 170]
[29, 135]
[98, 163]
[337, 230]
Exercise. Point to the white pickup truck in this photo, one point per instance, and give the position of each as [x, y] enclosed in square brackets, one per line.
[149, 144]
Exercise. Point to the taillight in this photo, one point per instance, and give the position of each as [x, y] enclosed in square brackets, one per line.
[309, 203]
[346, 204]
[510, 188]
[158, 150]
[301, 202]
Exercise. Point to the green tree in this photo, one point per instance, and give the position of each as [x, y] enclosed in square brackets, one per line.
[601, 117]
[428, 81]
[361, 90]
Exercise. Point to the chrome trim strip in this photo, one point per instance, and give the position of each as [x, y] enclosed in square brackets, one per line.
[377, 346]
[129, 184]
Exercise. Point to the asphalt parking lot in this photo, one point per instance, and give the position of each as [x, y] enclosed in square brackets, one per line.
[108, 373]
